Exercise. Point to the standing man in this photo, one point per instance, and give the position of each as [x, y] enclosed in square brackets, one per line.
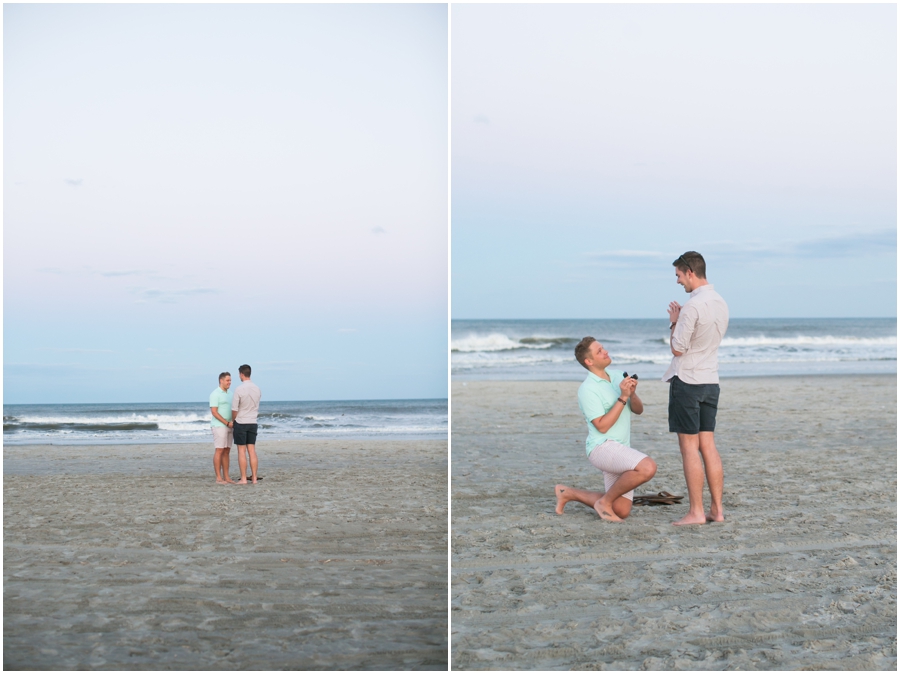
[246, 412]
[220, 406]
[696, 330]
[607, 398]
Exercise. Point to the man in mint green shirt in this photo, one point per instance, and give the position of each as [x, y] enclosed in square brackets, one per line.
[607, 399]
[221, 424]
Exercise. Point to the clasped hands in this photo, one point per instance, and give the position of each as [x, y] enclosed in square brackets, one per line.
[674, 311]
[628, 386]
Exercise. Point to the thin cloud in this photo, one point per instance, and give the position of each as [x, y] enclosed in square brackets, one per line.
[847, 245]
[347, 330]
[850, 244]
[84, 271]
[379, 230]
[73, 350]
[170, 296]
[481, 119]
[130, 272]
[74, 183]
[628, 259]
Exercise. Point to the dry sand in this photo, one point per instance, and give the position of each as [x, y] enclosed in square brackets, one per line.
[131, 557]
[802, 575]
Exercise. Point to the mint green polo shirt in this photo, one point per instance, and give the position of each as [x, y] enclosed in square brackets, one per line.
[596, 396]
[222, 400]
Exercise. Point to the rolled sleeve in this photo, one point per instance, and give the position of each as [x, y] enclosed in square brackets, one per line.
[684, 329]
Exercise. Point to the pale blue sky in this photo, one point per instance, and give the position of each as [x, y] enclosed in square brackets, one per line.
[593, 144]
[191, 187]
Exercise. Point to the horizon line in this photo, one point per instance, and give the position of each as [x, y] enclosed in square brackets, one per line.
[191, 402]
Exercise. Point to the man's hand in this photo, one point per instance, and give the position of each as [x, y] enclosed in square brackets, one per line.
[674, 311]
[627, 387]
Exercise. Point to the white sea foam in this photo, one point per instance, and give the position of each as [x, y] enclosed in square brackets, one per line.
[497, 342]
[113, 419]
[484, 343]
[807, 340]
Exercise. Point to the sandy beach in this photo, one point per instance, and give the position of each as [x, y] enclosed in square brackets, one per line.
[801, 575]
[131, 557]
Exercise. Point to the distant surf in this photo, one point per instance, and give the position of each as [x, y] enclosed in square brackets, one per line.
[189, 422]
[543, 349]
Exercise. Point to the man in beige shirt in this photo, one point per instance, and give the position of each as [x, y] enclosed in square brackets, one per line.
[696, 329]
[245, 412]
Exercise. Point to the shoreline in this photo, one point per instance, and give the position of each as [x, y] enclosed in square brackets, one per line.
[455, 378]
[122, 559]
[270, 440]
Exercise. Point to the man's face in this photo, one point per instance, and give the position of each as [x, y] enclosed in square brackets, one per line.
[597, 355]
[225, 383]
[685, 279]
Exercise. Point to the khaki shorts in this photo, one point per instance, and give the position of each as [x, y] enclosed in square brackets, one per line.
[222, 436]
[614, 458]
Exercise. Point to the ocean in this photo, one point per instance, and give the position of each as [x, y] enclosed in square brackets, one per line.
[137, 423]
[544, 349]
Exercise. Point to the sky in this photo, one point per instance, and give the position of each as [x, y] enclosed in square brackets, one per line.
[593, 144]
[188, 188]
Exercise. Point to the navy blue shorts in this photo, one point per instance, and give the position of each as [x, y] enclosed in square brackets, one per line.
[245, 434]
[692, 407]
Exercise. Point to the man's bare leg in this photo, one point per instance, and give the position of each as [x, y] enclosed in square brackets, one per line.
[217, 464]
[251, 449]
[226, 459]
[242, 462]
[564, 494]
[630, 479]
[715, 476]
[693, 476]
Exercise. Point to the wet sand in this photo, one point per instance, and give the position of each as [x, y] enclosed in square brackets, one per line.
[801, 575]
[131, 557]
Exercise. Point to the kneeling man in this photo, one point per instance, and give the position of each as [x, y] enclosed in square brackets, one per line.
[607, 400]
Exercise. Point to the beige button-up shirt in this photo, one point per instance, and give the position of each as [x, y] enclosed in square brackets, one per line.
[245, 403]
[701, 325]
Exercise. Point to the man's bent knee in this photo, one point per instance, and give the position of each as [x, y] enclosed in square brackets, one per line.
[647, 467]
[622, 507]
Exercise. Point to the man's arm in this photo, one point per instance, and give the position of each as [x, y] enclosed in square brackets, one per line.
[235, 404]
[604, 423]
[637, 405]
[684, 323]
[215, 413]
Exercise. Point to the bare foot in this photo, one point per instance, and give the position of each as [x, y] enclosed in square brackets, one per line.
[561, 499]
[230, 481]
[220, 481]
[254, 479]
[690, 519]
[244, 481]
[718, 517]
[606, 512]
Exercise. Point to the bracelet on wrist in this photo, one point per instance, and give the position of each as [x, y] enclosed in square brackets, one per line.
[624, 402]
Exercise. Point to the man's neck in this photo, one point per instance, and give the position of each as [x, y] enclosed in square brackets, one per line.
[600, 372]
[700, 282]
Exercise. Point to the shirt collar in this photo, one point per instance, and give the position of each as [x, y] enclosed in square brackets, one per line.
[701, 288]
[597, 377]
